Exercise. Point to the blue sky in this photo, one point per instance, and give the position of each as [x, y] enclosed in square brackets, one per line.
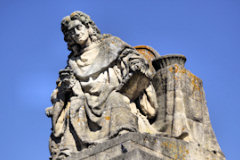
[32, 49]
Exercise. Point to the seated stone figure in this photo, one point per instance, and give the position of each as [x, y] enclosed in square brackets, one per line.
[104, 91]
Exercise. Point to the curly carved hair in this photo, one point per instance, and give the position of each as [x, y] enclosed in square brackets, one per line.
[94, 32]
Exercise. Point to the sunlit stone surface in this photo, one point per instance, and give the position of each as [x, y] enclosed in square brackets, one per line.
[114, 101]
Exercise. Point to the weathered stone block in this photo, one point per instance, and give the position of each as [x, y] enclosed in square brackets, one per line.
[182, 111]
[145, 146]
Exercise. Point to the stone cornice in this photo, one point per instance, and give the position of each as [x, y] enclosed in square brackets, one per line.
[168, 60]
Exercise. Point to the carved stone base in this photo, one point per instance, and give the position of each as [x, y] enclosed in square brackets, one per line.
[145, 146]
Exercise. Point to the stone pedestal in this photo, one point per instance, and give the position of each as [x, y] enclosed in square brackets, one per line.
[137, 146]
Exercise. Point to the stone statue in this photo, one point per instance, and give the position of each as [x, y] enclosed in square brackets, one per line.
[109, 89]
[91, 102]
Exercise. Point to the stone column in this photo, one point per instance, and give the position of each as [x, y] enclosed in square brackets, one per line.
[182, 112]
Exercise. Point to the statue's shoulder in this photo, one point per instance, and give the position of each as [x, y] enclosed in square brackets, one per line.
[109, 39]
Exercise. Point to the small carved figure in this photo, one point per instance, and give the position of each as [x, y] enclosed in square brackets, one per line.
[104, 91]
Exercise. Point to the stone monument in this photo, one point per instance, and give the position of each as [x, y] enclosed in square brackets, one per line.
[115, 101]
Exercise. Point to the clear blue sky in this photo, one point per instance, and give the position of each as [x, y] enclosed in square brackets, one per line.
[32, 52]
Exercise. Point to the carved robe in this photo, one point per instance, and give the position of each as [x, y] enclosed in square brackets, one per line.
[98, 107]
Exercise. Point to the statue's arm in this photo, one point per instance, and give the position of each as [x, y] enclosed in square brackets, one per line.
[65, 88]
[134, 62]
[148, 102]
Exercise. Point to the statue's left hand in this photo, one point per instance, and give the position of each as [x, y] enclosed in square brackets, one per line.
[137, 65]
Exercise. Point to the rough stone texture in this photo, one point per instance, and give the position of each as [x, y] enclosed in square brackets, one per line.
[114, 101]
[104, 91]
[182, 113]
[146, 146]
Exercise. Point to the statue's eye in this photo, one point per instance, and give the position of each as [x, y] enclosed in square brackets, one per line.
[79, 27]
[71, 31]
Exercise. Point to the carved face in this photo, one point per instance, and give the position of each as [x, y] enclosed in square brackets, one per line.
[79, 32]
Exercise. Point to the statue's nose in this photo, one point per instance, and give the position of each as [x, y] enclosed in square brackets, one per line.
[76, 30]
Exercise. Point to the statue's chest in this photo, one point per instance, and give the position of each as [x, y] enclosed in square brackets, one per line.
[87, 58]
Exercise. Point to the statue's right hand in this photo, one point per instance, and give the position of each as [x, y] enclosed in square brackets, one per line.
[66, 78]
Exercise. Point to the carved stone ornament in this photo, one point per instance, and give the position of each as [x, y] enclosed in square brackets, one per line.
[109, 90]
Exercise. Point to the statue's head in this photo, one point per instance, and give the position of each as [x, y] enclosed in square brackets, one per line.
[77, 28]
